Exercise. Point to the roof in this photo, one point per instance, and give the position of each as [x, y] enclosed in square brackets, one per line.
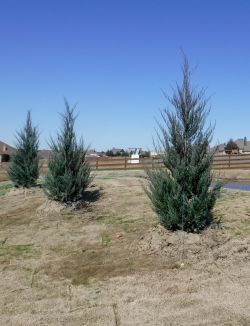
[91, 151]
[115, 150]
[6, 149]
[242, 143]
[218, 148]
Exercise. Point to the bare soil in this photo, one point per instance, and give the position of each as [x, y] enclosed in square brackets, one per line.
[111, 263]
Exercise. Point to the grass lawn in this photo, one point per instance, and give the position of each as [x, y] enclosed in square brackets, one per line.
[111, 264]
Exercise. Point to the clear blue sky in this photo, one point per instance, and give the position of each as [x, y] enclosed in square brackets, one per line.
[113, 58]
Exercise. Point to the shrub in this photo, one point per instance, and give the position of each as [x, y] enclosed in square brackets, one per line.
[69, 172]
[24, 169]
[180, 191]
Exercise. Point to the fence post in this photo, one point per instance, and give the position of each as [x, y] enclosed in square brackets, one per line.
[229, 160]
[152, 162]
[125, 165]
[96, 164]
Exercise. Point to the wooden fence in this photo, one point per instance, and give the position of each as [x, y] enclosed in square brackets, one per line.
[221, 162]
[123, 163]
[239, 161]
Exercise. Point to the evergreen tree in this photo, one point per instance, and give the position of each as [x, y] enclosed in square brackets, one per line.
[180, 191]
[24, 169]
[110, 153]
[231, 147]
[69, 171]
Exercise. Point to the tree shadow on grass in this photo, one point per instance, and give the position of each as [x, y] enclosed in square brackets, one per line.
[89, 197]
[92, 196]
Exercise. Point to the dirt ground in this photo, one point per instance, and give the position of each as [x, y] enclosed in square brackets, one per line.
[110, 263]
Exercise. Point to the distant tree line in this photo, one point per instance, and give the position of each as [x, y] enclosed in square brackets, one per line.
[124, 153]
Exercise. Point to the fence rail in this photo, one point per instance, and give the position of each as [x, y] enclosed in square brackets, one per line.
[123, 163]
[240, 161]
[220, 162]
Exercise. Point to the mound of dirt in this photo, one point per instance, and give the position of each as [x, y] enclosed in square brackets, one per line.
[179, 245]
[50, 207]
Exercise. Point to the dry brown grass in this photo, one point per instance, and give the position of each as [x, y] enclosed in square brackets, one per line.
[109, 263]
[237, 175]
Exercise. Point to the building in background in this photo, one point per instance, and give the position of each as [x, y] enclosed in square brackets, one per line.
[5, 152]
[242, 143]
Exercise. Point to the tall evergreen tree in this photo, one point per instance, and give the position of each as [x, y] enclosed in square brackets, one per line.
[69, 171]
[24, 169]
[180, 191]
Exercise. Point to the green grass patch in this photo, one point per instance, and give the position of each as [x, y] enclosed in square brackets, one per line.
[103, 175]
[80, 280]
[4, 188]
[127, 221]
[124, 223]
[106, 240]
[113, 218]
[17, 251]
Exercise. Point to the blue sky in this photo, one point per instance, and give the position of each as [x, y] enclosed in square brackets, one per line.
[114, 57]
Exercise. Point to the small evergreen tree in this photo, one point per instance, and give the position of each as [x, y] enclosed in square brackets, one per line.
[110, 153]
[231, 147]
[24, 169]
[146, 154]
[180, 191]
[118, 153]
[69, 171]
[124, 153]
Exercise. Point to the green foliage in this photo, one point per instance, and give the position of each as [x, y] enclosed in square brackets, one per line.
[231, 147]
[180, 191]
[69, 171]
[146, 154]
[124, 153]
[109, 153]
[24, 169]
[5, 187]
